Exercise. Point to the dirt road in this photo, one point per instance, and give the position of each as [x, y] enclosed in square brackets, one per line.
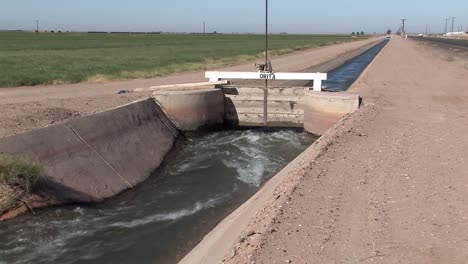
[393, 189]
[291, 62]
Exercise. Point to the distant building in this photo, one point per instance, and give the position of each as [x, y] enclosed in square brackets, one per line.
[456, 34]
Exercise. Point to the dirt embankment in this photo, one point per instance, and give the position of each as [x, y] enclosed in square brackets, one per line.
[26, 108]
[20, 117]
[393, 189]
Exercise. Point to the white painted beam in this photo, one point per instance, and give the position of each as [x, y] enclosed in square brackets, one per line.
[318, 77]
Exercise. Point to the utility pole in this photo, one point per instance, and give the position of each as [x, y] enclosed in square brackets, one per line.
[37, 26]
[426, 29]
[266, 32]
[265, 92]
[446, 21]
[403, 31]
[204, 28]
[453, 22]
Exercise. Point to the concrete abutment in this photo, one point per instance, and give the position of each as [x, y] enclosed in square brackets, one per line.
[241, 106]
[193, 109]
[323, 110]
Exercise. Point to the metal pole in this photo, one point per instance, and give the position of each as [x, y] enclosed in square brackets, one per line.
[266, 31]
[37, 25]
[403, 31]
[453, 21]
[204, 28]
[265, 92]
[446, 20]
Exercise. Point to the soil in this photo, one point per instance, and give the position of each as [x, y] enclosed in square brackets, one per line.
[20, 117]
[390, 186]
[26, 108]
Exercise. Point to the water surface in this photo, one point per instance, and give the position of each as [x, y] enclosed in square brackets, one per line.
[206, 178]
[341, 78]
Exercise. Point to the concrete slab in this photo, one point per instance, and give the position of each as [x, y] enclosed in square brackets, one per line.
[193, 109]
[323, 109]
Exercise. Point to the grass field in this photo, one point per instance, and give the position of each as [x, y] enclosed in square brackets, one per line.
[53, 58]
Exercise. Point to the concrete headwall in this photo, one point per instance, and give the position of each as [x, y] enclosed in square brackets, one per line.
[287, 107]
[193, 109]
[323, 109]
[244, 106]
[95, 157]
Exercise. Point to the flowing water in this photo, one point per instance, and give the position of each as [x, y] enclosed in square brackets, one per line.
[205, 178]
[341, 78]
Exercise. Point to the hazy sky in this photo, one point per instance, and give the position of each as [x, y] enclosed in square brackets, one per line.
[292, 16]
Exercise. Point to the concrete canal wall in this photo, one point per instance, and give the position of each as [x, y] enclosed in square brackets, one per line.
[243, 107]
[193, 109]
[323, 110]
[95, 157]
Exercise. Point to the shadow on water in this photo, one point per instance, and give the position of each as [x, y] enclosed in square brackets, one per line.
[341, 78]
[204, 179]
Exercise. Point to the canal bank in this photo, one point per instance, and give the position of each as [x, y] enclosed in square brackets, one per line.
[392, 188]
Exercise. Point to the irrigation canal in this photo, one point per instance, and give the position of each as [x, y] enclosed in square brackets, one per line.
[204, 179]
[341, 78]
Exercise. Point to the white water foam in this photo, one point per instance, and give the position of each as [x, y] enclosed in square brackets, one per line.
[167, 216]
[249, 172]
[49, 250]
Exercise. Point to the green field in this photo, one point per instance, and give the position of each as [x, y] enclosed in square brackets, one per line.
[53, 58]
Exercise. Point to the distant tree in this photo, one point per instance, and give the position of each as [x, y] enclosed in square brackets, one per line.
[389, 31]
[354, 33]
[362, 32]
